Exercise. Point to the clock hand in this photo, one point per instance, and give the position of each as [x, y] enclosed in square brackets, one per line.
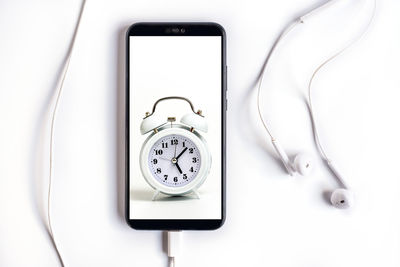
[183, 151]
[179, 168]
[175, 151]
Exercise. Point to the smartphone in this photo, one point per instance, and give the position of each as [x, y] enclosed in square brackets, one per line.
[175, 126]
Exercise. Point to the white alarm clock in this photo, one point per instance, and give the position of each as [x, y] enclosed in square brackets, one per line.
[174, 159]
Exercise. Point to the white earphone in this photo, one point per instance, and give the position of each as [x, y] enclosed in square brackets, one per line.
[343, 197]
[302, 164]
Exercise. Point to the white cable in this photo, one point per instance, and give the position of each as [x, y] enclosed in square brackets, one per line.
[284, 32]
[174, 246]
[324, 63]
[59, 88]
[171, 262]
[316, 10]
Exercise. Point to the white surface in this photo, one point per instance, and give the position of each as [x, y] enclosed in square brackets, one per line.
[176, 66]
[272, 219]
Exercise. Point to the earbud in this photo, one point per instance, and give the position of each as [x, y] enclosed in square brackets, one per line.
[302, 163]
[342, 198]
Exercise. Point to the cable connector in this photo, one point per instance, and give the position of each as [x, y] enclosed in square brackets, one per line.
[174, 246]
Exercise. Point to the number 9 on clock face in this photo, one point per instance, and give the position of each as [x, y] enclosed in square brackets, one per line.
[174, 160]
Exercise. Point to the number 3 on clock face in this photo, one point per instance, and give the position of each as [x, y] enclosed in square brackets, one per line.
[174, 160]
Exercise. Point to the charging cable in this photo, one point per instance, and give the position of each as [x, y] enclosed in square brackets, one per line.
[174, 246]
[174, 237]
[60, 85]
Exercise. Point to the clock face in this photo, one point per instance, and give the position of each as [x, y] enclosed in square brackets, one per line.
[174, 160]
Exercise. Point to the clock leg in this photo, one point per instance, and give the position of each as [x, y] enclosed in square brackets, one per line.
[196, 194]
[155, 195]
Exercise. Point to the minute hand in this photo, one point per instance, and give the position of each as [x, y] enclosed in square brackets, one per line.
[180, 154]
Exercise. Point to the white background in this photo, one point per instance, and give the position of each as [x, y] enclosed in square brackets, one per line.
[272, 219]
[175, 66]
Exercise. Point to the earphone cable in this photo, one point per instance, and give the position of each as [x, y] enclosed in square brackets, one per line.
[284, 32]
[59, 90]
[316, 71]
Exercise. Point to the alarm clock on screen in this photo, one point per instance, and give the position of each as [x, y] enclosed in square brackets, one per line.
[175, 159]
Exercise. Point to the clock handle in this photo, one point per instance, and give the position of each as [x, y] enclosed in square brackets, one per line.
[174, 97]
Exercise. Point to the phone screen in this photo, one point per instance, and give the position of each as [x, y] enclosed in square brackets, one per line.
[176, 123]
